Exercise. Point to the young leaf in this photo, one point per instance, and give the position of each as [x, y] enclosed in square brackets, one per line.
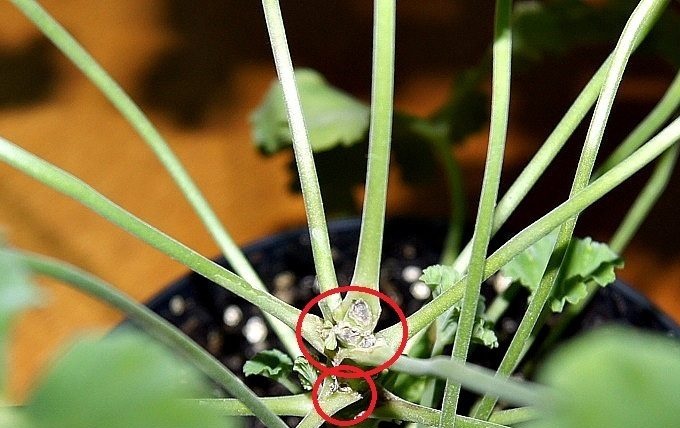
[16, 294]
[527, 267]
[439, 277]
[482, 331]
[272, 363]
[333, 117]
[584, 261]
[305, 372]
[123, 380]
[613, 377]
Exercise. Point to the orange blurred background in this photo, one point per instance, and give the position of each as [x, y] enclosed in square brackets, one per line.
[198, 69]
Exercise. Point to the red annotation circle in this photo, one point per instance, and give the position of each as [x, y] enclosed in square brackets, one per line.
[402, 319]
[342, 371]
[345, 371]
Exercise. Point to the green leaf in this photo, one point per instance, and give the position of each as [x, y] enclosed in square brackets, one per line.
[412, 147]
[613, 378]
[123, 380]
[305, 372]
[482, 331]
[527, 267]
[12, 417]
[271, 363]
[341, 171]
[467, 110]
[440, 277]
[585, 260]
[542, 29]
[17, 293]
[333, 117]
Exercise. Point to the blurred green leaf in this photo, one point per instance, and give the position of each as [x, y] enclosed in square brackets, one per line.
[541, 29]
[613, 378]
[333, 117]
[341, 171]
[306, 373]
[412, 148]
[585, 260]
[12, 417]
[527, 267]
[271, 363]
[17, 293]
[122, 381]
[467, 110]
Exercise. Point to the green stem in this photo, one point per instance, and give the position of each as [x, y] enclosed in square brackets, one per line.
[138, 120]
[514, 416]
[435, 135]
[621, 54]
[154, 325]
[393, 408]
[643, 132]
[638, 212]
[367, 269]
[655, 186]
[497, 308]
[304, 158]
[290, 385]
[543, 158]
[454, 235]
[552, 145]
[331, 405]
[474, 378]
[75, 188]
[287, 405]
[500, 105]
[645, 201]
[541, 227]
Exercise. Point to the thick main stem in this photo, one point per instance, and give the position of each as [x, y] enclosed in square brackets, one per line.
[367, 269]
[500, 104]
[304, 158]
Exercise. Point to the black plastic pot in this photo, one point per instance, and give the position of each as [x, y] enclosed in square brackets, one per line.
[233, 330]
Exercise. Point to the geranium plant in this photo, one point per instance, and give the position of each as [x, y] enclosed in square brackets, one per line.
[337, 366]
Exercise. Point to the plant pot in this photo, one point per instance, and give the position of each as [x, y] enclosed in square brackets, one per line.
[233, 329]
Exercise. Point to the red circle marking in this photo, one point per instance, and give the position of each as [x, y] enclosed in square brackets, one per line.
[341, 372]
[322, 367]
